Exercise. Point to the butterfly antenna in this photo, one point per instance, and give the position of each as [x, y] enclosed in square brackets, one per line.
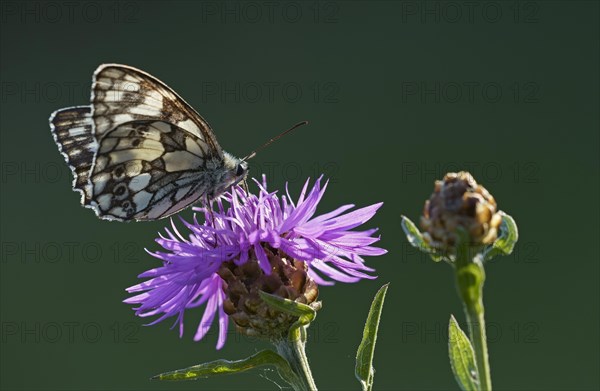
[271, 141]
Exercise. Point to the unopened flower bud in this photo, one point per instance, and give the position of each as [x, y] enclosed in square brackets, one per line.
[459, 202]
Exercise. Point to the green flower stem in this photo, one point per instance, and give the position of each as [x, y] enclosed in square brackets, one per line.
[470, 277]
[293, 351]
[476, 322]
[292, 347]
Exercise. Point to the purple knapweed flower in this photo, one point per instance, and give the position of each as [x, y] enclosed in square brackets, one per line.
[251, 243]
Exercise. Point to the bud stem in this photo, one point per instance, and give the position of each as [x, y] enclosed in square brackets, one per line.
[470, 277]
[293, 351]
[476, 322]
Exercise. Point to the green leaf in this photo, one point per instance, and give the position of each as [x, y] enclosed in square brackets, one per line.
[415, 238]
[504, 245]
[462, 357]
[306, 314]
[288, 306]
[413, 234]
[364, 370]
[226, 367]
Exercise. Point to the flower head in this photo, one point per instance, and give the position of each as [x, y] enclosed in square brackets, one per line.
[251, 243]
[459, 201]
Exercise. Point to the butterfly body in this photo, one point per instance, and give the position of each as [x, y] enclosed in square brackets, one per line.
[139, 151]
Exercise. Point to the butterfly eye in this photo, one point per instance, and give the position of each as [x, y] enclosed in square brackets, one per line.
[240, 170]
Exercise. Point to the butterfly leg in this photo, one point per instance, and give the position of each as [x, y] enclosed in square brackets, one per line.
[244, 185]
[209, 204]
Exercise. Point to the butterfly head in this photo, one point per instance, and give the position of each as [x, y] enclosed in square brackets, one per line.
[236, 171]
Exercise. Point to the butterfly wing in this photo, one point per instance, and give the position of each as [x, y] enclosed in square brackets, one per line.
[140, 152]
[72, 129]
[121, 94]
[147, 170]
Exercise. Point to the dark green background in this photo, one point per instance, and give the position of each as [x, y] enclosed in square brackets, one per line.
[535, 148]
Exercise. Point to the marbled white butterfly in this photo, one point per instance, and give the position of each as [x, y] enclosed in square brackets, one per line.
[139, 151]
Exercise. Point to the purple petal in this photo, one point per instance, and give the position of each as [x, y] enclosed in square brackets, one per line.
[263, 261]
[223, 321]
[208, 316]
[353, 219]
[320, 281]
[332, 272]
